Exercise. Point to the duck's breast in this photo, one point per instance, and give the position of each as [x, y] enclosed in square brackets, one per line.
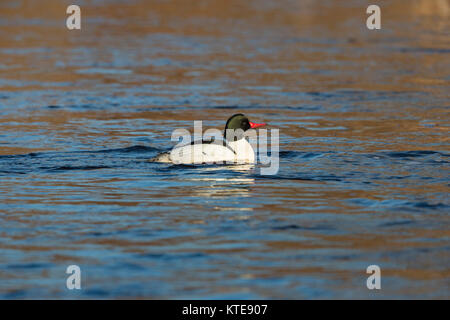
[243, 150]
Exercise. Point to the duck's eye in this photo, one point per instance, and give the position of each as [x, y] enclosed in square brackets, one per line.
[245, 125]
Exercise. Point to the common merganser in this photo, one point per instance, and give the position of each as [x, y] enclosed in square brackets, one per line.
[234, 148]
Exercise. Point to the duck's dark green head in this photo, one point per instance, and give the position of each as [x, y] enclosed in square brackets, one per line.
[240, 121]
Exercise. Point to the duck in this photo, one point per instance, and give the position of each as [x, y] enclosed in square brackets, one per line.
[232, 148]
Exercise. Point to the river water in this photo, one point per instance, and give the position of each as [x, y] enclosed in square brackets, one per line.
[363, 179]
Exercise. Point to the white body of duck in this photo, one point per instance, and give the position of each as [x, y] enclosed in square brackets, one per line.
[240, 151]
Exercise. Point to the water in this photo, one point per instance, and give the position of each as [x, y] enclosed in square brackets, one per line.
[364, 150]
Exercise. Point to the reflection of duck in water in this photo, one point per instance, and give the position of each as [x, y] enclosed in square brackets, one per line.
[224, 186]
[233, 149]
